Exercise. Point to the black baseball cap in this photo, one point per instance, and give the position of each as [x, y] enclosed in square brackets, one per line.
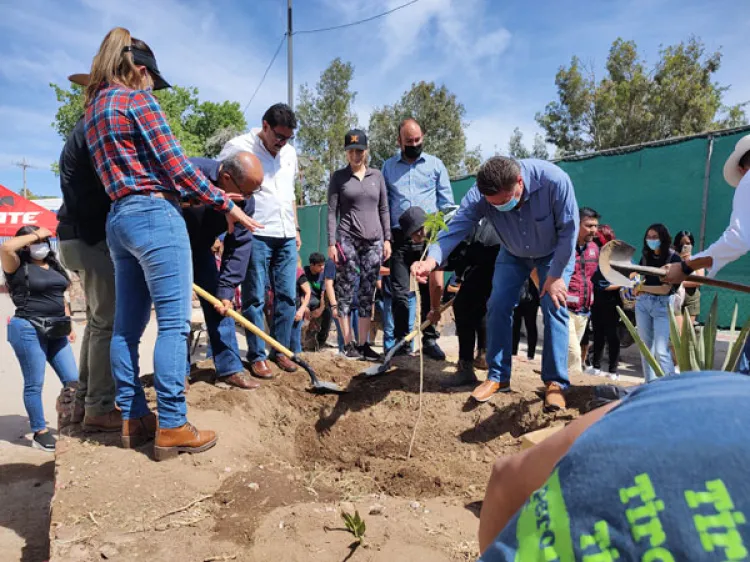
[412, 220]
[355, 139]
[144, 58]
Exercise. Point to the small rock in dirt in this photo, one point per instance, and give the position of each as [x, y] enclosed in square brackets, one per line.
[414, 505]
[254, 486]
[228, 469]
[108, 551]
[473, 456]
[281, 524]
[376, 509]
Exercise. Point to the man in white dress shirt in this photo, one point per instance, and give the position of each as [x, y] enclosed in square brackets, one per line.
[274, 257]
[735, 241]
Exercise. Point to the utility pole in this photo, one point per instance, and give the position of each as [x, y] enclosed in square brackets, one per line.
[289, 58]
[23, 164]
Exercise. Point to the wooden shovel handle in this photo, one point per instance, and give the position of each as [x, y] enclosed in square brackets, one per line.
[426, 323]
[661, 272]
[244, 322]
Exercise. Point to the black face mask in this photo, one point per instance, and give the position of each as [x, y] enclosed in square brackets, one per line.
[413, 152]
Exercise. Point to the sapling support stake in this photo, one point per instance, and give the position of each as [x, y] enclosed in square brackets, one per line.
[433, 224]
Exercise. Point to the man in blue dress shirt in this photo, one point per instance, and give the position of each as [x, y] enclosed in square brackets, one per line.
[413, 179]
[532, 206]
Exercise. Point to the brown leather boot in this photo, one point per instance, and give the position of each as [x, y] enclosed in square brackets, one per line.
[137, 431]
[185, 439]
[79, 411]
[109, 422]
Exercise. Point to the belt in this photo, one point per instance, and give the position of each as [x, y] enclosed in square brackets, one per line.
[159, 194]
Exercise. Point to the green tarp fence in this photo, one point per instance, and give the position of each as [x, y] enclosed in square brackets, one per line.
[632, 188]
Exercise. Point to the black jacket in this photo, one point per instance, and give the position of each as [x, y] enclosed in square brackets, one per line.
[85, 203]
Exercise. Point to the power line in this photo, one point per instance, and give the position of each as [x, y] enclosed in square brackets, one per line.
[358, 22]
[320, 30]
[263, 79]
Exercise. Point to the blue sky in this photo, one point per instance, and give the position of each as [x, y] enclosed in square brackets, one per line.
[498, 56]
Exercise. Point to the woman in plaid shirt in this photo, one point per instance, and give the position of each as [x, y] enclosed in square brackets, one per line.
[146, 175]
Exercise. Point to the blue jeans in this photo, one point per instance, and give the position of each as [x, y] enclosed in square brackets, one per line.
[652, 322]
[222, 337]
[354, 323]
[150, 249]
[295, 342]
[33, 352]
[389, 337]
[510, 274]
[275, 258]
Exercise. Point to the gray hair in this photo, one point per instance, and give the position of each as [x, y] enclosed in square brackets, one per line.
[497, 174]
[232, 165]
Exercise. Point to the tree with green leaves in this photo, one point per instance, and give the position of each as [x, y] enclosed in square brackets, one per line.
[441, 117]
[325, 114]
[472, 161]
[632, 104]
[194, 123]
[539, 149]
[516, 147]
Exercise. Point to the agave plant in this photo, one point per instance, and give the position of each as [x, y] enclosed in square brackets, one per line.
[695, 348]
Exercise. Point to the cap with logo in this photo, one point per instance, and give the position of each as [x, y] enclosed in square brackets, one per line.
[355, 139]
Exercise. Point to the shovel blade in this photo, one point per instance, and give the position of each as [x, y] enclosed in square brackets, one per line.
[376, 370]
[323, 387]
[615, 259]
[318, 386]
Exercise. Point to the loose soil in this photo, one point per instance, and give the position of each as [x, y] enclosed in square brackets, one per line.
[288, 462]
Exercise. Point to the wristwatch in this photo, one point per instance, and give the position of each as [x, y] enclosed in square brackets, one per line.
[686, 269]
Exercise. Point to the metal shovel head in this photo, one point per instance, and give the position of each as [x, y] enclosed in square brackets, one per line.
[318, 386]
[616, 262]
[380, 369]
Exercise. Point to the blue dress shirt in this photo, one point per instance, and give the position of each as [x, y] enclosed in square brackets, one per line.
[423, 183]
[546, 223]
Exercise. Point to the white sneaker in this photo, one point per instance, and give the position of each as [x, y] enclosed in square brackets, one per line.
[593, 371]
[676, 370]
[612, 376]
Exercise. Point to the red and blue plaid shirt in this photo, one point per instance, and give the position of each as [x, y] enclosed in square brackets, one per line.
[135, 151]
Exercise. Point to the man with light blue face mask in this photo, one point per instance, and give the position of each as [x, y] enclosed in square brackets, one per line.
[532, 206]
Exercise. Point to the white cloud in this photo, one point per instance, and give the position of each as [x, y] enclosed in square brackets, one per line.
[20, 119]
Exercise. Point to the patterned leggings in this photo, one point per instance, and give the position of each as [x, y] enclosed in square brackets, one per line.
[361, 259]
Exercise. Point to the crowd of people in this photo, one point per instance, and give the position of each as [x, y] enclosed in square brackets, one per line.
[141, 221]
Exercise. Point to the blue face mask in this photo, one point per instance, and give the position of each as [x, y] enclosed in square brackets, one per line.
[653, 244]
[509, 206]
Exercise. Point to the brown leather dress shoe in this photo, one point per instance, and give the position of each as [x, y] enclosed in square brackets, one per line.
[185, 439]
[109, 422]
[261, 370]
[240, 380]
[488, 388]
[137, 431]
[285, 364]
[553, 397]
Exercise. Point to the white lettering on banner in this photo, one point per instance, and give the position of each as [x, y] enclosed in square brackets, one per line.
[16, 217]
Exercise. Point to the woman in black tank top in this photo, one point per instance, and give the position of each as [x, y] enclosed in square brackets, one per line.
[40, 331]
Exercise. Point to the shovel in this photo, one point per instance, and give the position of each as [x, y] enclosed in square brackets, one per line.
[319, 386]
[380, 369]
[615, 263]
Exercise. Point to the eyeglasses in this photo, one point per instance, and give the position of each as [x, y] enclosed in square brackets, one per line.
[282, 138]
[237, 185]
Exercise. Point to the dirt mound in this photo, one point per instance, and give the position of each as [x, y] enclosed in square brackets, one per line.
[284, 460]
